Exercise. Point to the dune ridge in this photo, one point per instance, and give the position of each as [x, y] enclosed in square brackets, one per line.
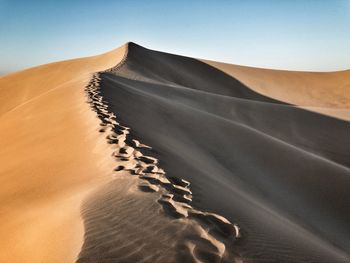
[238, 171]
[204, 236]
[214, 131]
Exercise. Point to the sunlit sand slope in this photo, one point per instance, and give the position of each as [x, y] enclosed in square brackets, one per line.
[323, 92]
[51, 156]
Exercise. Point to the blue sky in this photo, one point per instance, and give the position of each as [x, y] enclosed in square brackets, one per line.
[286, 34]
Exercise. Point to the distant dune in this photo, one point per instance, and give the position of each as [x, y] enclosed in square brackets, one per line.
[143, 156]
[323, 92]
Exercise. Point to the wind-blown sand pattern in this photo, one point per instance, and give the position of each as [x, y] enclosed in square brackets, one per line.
[200, 236]
[187, 161]
[264, 164]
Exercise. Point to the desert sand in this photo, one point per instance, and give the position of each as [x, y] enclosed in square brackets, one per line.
[142, 156]
[324, 92]
[51, 157]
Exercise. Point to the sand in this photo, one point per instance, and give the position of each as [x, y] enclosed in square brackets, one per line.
[280, 172]
[142, 156]
[323, 92]
[124, 224]
[51, 156]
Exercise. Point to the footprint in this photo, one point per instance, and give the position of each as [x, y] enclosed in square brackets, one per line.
[145, 187]
[180, 182]
[182, 198]
[171, 208]
[148, 159]
[151, 169]
[176, 194]
[119, 168]
[220, 223]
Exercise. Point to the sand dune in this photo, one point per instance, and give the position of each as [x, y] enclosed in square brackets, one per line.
[142, 156]
[112, 213]
[51, 157]
[265, 164]
[323, 92]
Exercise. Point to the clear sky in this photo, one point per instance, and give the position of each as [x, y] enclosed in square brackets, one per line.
[287, 34]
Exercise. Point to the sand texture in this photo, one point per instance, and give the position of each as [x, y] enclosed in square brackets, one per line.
[280, 172]
[142, 156]
[51, 157]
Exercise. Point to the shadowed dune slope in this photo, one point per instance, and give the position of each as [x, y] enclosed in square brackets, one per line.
[68, 196]
[142, 215]
[280, 171]
[51, 157]
[228, 146]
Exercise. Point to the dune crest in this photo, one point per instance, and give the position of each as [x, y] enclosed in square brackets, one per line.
[201, 236]
[266, 158]
[138, 155]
